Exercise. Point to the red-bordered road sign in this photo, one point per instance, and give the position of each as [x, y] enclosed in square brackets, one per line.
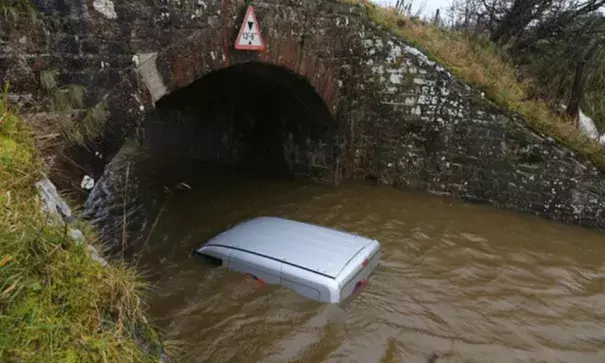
[250, 37]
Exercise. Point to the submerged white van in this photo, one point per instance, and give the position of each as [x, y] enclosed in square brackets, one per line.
[319, 263]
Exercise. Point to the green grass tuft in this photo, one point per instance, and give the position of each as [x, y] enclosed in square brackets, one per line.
[76, 131]
[81, 132]
[57, 304]
[16, 11]
[479, 63]
[60, 99]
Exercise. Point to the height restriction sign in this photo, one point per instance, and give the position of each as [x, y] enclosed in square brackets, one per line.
[249, 37]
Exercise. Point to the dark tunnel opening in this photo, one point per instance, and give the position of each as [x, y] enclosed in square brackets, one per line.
[254, 116]
[255, 120]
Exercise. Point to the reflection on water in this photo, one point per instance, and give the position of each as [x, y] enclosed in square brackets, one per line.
[471, 283]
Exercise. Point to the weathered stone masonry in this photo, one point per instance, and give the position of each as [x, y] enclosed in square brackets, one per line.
[400, 117]
[438, 134]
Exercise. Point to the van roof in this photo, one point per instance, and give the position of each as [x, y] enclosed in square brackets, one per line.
[320, 249]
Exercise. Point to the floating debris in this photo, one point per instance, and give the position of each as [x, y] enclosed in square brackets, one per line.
[182, 186]
[87, 183]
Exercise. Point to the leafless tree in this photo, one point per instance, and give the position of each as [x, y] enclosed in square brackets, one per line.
[520, 14]
[557, 43]
[590, 43]
[404, 7]
[507, 20]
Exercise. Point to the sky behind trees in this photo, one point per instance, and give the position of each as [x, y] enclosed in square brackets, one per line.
[428, 6]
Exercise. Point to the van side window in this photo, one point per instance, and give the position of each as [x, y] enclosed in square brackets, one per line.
[208, 260]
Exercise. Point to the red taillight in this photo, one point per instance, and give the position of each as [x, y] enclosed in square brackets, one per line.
[360, 284]
[261, 282]
[364, 263]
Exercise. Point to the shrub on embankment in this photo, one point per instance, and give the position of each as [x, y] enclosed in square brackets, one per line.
[57, 303]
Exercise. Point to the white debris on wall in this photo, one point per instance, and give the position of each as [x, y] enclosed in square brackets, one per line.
[135, 60]
[106, 8]
[87, 183]
[587, 125]
[588, 128]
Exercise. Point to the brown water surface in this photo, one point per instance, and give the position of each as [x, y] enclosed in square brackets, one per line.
[471, 283]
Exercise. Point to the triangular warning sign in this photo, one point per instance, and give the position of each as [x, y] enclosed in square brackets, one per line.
[249, 37]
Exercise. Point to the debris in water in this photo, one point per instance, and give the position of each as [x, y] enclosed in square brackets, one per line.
[87, 183]
[182, 186]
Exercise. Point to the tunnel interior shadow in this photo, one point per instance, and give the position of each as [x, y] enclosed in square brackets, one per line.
[253, 116]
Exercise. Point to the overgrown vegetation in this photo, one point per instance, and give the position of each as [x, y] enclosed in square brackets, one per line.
[558, 44]
[17, 11]
[57, 304]
[60, 98]
[76, 129]
[488, 66]
[82, 132]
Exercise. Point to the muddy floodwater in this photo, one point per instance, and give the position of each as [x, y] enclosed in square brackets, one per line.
[470, 283]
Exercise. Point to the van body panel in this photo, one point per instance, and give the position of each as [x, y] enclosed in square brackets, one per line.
[354, 277]
[316, 262]
[320, 249]
[310, 284]
[265, 269]
[355, 265]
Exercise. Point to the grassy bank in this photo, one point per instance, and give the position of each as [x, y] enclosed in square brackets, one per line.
[57, 304]
[478, 62]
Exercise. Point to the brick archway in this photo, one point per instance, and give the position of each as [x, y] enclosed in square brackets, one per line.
[318, 41]
[199, 55]
[160, 74]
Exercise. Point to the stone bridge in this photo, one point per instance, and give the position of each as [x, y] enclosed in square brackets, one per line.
[332, 96]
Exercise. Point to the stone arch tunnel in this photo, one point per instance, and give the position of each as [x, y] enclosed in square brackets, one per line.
[251, 115]
[361, 101]
[284, 110]
[313, 68]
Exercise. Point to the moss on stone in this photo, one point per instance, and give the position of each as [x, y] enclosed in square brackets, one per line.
[16, 12]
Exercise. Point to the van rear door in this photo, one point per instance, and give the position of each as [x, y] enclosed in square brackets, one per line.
[357, 273]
